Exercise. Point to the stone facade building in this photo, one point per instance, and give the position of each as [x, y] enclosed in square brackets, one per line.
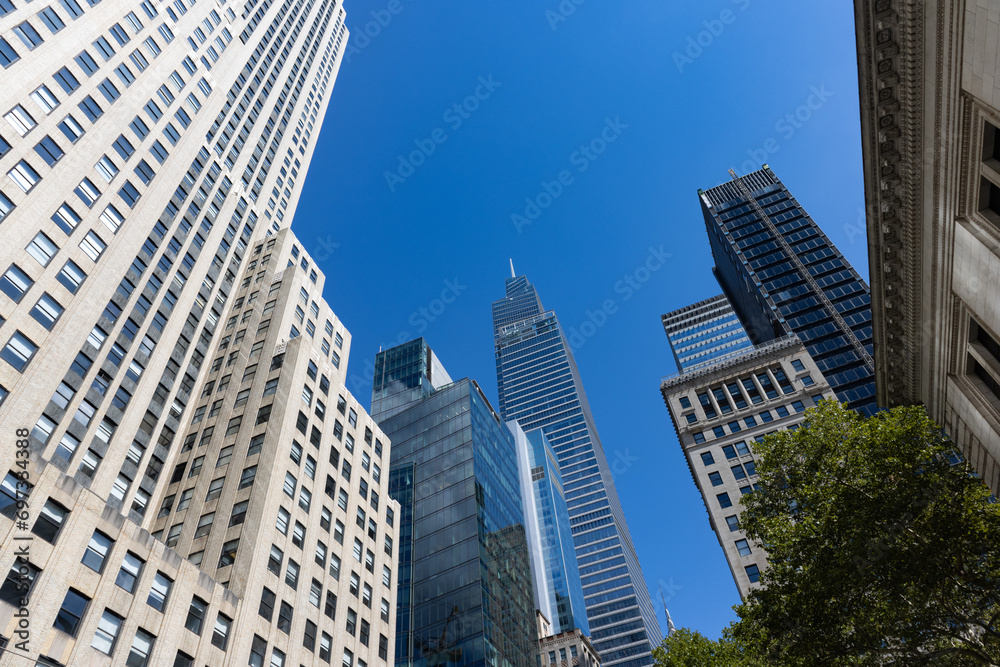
[930, 113]
[190, 478]
[718, 413]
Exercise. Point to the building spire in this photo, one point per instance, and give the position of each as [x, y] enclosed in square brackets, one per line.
[512, 275]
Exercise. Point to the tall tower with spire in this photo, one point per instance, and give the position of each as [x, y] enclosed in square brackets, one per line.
[540, 387]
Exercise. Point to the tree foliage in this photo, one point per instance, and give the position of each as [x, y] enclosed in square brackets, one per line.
[881, 550]
[685, 648]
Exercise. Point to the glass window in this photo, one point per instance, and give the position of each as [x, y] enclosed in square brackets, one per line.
[18, 351]
[107, 632]
[130, 571]
[159, 591]
[73, 607]
[142, 646]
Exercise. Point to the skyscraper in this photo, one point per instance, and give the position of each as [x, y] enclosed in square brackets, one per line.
[149, 149]
[705, 332]
[930, 134]
[464, 579]
[555, 575]
[540, 387]
[719, 410]
[783, 275]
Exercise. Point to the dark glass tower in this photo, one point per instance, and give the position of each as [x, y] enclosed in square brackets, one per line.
[540, 387]
[464, 579]
[783, 275]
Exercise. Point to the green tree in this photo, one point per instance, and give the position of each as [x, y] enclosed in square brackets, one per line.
[881, 550]
[685, 648]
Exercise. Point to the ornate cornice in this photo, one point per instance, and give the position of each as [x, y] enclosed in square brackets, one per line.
[725, 368]
[891, 79]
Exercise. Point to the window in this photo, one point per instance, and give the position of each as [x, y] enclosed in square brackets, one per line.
[73, 607]
[274, 561]
[15, 282]
[19, 583]
[283, 520]
[130, 571]
[225, 455]
[247, 477]
[20, 119]
[107, 632]
[66, 218]
[196, 615]
[743, 547]
[733, 522]
[239, 513]
[285, 617]
[267, 599]
[738, 472]
[97, 551]
[807, 381]
[159, 591]
[49, 150]
[142, 646]
[8, 55]
[49, 521]
[93, 246]
[24, 176]
[292, 573]
[699, 438]
[28, 35]
[386, 576]
[257, 651]
[715, 478]
[753, 573]
[220, 636]
[724, 500]
[204, 525]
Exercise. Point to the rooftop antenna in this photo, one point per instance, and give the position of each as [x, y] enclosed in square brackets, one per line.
[670, 621]
[512, 269]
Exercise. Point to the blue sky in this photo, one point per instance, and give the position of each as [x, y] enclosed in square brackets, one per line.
[573, 138]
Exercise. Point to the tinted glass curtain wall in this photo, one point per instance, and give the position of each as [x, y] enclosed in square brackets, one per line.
[464, 577]
[540, 387]
[783, 275]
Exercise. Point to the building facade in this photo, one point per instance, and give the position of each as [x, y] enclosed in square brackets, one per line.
[539, 386]
[555, 575]
[152, 153]
[464, 578]
[783, 275]
[719, 411]
[705, 332]
[570, 648]
[930, 117]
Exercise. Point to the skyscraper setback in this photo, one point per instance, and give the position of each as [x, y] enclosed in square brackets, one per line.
[539, 386]
[155, 153]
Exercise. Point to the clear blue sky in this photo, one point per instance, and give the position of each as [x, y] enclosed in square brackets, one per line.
[679, 116]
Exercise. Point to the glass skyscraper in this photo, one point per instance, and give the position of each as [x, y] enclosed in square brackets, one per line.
[783, 275]
[464, 580]
[539, 386]
[556, 577]
[705, 333]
